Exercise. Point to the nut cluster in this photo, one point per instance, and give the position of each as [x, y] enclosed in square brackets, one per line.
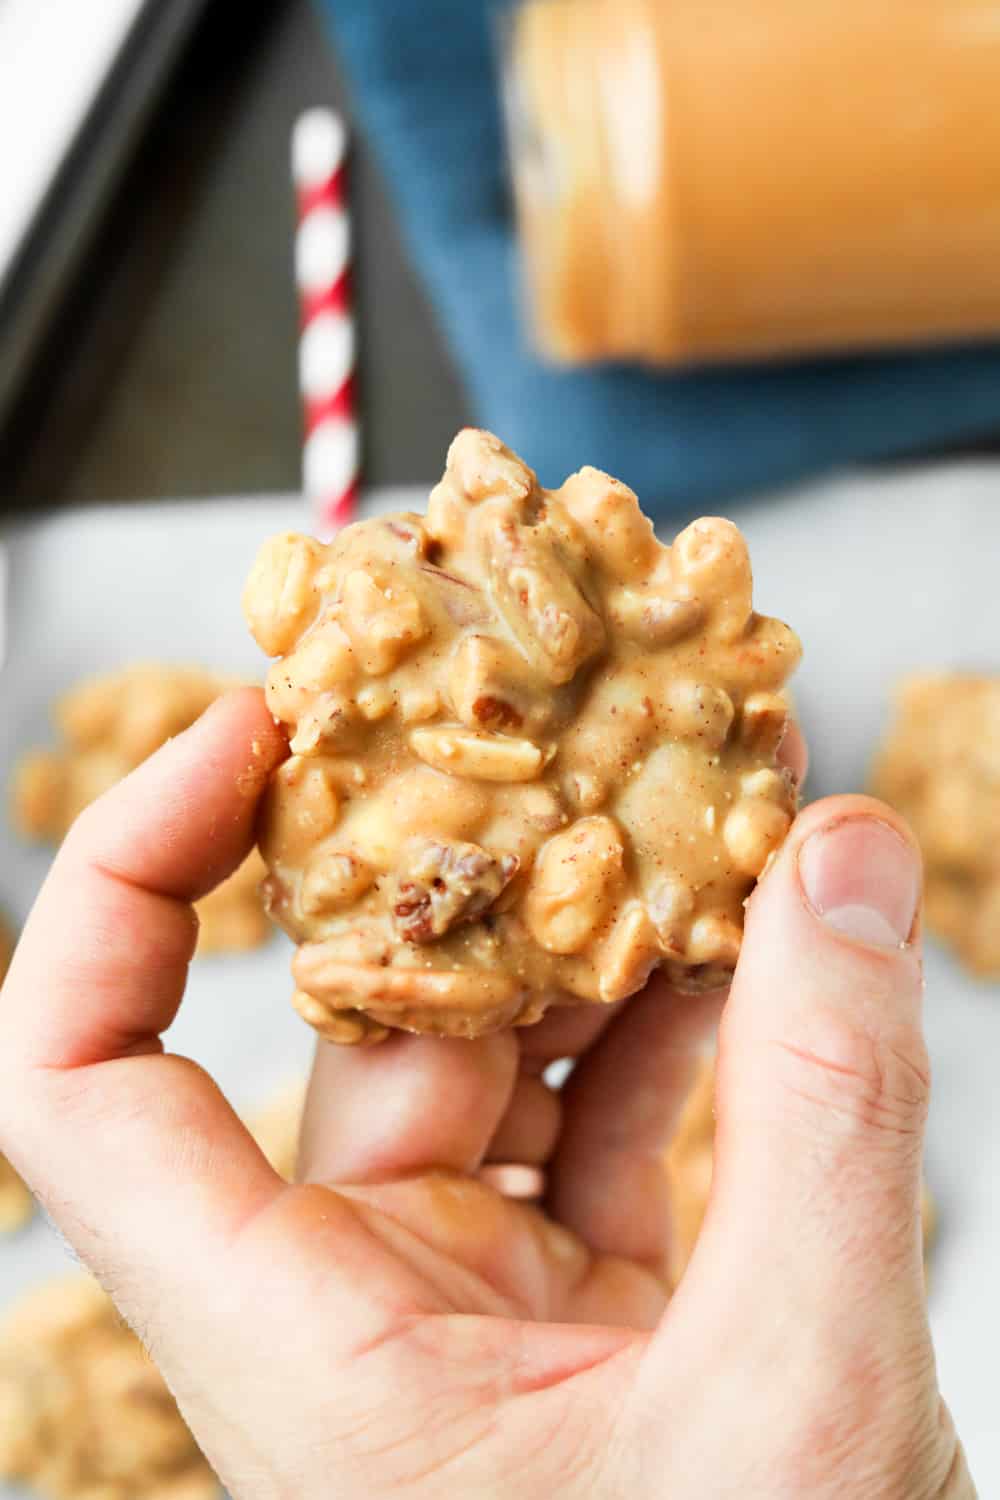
[534, 751]
[83, 1411]
[109, 725]
[16, 1203]
[940, 767]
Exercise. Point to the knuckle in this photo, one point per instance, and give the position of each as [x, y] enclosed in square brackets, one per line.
[862, 1082]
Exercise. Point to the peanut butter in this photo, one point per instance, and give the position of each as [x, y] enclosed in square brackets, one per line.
[757, 177]
[534, 751]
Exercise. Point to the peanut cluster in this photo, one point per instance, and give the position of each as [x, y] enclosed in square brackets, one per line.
[109, 725]
[16, 1203]
[534, 751]
[84, 1414]
[940, 766]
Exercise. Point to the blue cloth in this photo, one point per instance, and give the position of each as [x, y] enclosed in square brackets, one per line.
[425, 85]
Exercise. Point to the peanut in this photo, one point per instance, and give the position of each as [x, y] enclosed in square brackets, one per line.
[573, 884]
[483, 757]
[711, 558]
[752, 831]
[629, 955]
[484, 686]
[333, 880]
[279, 599]
[608, 511]
[697, 710]
[299, 811]
[382, 620]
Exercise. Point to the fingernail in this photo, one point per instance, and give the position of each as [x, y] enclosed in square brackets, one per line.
[863, 880]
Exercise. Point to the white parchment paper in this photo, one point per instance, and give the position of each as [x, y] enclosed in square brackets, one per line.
[879, 575]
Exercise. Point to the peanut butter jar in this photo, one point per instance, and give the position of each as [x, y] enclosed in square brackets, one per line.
[753, 178]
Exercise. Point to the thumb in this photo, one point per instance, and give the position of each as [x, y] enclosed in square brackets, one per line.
[808, 1271]
[823, 1078]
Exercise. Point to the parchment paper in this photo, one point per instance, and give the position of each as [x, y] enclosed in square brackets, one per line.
[879, 575]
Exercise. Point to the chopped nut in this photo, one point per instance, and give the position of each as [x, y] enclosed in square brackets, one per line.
[763, 721]
[696, 710]
[609, 514]
[772, 786]
[671, 905]
[349, 1028]
[441, 884]
[375, 701]
[334, 880]
[383, 621]
[300, 809]
[548, 616]
[712, 559]
[629, 955]
[279, 598]
[479, 465]
[418, 704]
[573, 884]
[714, 939]
[483, 684]
[753, 830]
[655, 619]
[484, 757]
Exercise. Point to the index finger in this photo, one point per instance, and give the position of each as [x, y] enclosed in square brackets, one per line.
[128, 1147]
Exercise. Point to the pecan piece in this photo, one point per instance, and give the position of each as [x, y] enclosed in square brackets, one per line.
[548, 616]
[442, 883]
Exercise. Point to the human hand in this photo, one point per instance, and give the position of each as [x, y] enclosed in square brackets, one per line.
[392, 1325]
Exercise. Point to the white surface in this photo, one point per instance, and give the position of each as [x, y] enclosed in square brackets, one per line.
[54, 57]
[879, 576]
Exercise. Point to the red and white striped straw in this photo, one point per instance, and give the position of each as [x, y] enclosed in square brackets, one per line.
[331, 455]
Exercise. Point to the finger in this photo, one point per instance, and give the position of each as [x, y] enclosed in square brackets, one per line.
[621, 1105]
[530, 1127]
[410, 1105]
[131, 1151]
[564, 1033]
[106, 949]
[822, 1087]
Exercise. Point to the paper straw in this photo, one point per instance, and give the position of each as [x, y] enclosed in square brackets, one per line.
[331, 456]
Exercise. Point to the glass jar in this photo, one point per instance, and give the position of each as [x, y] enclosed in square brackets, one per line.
[700, 180]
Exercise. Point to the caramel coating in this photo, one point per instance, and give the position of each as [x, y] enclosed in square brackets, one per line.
[108, 726]
[16, 1203]
[533, 751]
[83, 1411]
[689, 1164]
[940, 767]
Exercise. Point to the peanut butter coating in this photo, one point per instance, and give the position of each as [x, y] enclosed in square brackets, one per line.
[534, 751]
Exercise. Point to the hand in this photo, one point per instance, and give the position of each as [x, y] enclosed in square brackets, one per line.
[392, 1325]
